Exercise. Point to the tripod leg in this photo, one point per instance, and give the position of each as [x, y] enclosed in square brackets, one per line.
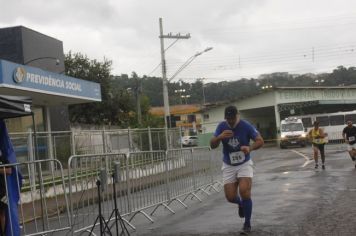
[117, 213]
[92, 228]
[106, 226]
[115, 203]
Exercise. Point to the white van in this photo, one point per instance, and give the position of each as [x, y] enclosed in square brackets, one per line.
[292, 132]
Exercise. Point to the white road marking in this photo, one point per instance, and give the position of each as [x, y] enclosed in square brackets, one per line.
[307, 159]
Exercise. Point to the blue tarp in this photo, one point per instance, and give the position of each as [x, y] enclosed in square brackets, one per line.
[13, 181]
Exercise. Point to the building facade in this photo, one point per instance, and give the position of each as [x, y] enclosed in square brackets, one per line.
[32, 64]
[266, 110]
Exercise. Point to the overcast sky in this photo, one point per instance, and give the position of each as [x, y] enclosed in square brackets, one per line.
[249, 37]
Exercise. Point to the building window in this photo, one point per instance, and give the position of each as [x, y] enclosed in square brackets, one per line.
[351, 117]
[22, 124]
[323, 120]
[206, 117]
[191, 118]
[337, 120]
[307, 122]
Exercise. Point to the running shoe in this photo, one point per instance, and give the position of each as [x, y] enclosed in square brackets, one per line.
[323, 167]
[316, 166]
[246, 230]
[241, 211]
[353, 158]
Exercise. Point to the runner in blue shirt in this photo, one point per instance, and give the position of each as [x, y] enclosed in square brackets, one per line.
[235, 135]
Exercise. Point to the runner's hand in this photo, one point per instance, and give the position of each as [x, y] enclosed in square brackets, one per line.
[245, 149]
[226, 134]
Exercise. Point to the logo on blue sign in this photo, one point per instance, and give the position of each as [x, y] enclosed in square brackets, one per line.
[19, 75]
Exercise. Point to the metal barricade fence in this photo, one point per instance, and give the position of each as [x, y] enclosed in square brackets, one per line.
[158, 139]
[43, 205]
[62, 143]
[203, 167]
[216, 163]
[147, 173]
[84, 171]
[172, 175]
[181, 174]
[88, 142]
[123, 140]
[148, 180]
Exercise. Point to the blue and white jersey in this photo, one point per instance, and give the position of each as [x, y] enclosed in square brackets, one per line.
[243, 133]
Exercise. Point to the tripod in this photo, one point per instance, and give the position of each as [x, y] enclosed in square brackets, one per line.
[116, 211]
[103, 224]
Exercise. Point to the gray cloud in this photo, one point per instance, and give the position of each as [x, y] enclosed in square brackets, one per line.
[249, 37]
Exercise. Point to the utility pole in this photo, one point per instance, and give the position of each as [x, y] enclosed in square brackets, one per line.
[202, 82]
[138, 100]
[167, 118]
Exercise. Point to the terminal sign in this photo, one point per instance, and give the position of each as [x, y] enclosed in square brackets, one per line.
[310, 95]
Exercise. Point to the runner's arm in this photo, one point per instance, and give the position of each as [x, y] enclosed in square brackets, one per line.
[344, 136]
[309, 135]
[215, 141]
[322, 134]
[257, 144]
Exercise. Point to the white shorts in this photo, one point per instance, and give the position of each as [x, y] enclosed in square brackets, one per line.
[232, 173]
[351, 146]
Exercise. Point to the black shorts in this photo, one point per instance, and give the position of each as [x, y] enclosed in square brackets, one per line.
[320, 146]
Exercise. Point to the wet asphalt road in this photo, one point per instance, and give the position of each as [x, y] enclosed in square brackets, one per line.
[289, 197]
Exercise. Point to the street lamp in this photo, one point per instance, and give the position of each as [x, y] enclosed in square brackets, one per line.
[188, 61]
[41, 58]
[166, 81]
[267, 87]
[319, 82]
[180, 91]
[186, 98]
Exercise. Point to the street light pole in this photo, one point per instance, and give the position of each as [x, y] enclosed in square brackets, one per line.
[202, 82]
[164, 70]
[164, 77]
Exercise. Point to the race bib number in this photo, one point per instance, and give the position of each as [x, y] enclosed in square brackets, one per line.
[317, 140]
[352, 138]
[237, 157]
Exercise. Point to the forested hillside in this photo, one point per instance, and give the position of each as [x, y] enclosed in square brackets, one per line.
[227, 90]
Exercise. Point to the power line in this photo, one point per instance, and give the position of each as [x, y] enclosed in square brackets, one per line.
[255, 76]
[319, 56]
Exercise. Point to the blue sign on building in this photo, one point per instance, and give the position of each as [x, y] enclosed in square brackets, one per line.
[28, 78]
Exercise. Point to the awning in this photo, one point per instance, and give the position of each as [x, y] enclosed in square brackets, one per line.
[14, 106]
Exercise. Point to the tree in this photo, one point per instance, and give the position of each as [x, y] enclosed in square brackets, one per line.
[114, 106]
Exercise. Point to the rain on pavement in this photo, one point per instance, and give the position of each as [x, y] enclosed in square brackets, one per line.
[289, 197]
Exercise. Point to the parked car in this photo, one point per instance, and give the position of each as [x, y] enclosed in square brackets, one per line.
[189, 141]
